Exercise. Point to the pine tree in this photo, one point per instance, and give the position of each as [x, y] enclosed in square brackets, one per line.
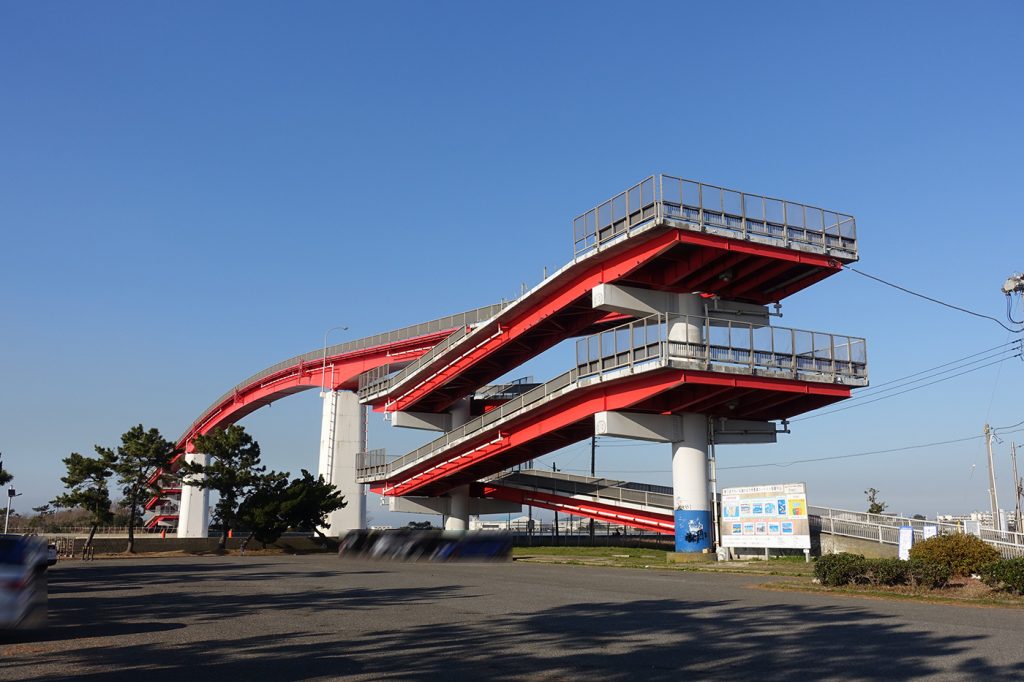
[234, 472]
[141, 452]
[86, 483]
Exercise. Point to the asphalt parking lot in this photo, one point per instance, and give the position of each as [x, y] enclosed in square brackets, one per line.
[316, 617]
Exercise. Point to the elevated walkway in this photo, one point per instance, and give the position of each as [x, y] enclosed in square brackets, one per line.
[336, 367]
[637, 505]
[664, 233]
[737, 370]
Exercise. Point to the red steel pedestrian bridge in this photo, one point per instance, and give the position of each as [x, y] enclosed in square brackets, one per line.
[669, 297]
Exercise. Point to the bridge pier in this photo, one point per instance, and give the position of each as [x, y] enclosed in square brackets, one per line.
[342, 436]
[691, 493]
[458, 513]
[194, 509]
[690, 487]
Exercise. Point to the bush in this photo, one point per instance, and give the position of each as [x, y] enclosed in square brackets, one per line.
[962, 554]
[842, 568]
[924, 573]
[1007, 575]
[886, 571]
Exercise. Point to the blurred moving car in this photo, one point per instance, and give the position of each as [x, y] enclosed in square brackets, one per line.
[23, 562]
[51, 554]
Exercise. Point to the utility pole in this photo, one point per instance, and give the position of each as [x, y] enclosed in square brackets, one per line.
[1018, 489]
[993, 497]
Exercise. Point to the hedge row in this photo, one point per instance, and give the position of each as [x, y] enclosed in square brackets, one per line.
[1007, 575]
[932, 563]
[853, 569]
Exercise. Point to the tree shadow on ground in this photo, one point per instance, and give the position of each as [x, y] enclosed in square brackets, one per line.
[333, 632]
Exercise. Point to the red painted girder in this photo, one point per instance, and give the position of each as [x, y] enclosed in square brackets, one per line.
[157, 519]
[599, 511]
[612, 268]
[581, 404]
[163, 493]
[302, 376]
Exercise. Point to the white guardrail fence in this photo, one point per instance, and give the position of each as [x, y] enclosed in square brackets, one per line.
[884, 528]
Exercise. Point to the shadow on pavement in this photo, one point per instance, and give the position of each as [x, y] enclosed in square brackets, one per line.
[651, 639]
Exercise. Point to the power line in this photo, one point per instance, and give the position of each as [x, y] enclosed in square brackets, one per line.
[893, 395]
[934, 300]
[873, 452]
[874, 387]
[852, 455]
[897, 384]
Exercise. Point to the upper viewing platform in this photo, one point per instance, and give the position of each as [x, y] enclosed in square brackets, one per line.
[691, 205]
[663, 234]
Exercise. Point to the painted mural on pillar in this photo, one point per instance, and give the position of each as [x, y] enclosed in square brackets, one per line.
[693, 530]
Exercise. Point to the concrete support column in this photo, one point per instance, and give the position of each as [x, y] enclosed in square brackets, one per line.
[458, 516]
[690, 488]
[458, 511]
[342, 436]
[194, 510]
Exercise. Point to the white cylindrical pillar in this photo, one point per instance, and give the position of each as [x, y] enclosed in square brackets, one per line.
[458, 512]
[342, 437]
[194, 510]
[690, 488]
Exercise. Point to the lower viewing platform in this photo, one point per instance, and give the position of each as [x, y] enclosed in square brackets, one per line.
[723, 368]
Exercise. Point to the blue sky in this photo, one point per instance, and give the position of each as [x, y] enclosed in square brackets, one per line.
[189, 193]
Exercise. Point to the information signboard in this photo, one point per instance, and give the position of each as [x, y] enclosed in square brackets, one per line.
[766, 516]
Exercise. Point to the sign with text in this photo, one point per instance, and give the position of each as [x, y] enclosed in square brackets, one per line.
[766, 516]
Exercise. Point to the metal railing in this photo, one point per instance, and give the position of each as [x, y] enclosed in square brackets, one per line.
[371, 458]
[598, 489]
[727, 345]
[441, 324]
[383, 383]
[884, 528]
[641, 345]
[702, 207]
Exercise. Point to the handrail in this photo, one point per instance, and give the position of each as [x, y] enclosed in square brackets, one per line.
[600, 489]
[644, 342]
[705, 207]
[723, 344]
[884, 528]
[440, 324]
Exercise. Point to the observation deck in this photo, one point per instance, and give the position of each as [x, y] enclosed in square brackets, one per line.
[664, 233]
[734, 370]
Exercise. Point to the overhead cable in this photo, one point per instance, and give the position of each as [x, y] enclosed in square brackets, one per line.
[874, 387]
[934, 300]
[893, 395]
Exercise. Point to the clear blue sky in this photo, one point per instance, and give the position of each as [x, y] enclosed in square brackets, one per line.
[189, 193]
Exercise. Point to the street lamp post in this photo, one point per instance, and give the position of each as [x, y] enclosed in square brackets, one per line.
[323, 373]
[10, 496]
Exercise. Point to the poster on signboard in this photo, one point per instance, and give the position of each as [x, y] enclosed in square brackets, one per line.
[766, 516]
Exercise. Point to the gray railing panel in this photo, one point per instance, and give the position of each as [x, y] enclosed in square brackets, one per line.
[411, 332]
[704, 207]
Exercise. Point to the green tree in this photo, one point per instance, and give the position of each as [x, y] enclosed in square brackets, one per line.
[261, 512]
[309, 500]
[874, 506]
[5, 476]
[140, 453]
[86, 482]
[234, 472]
